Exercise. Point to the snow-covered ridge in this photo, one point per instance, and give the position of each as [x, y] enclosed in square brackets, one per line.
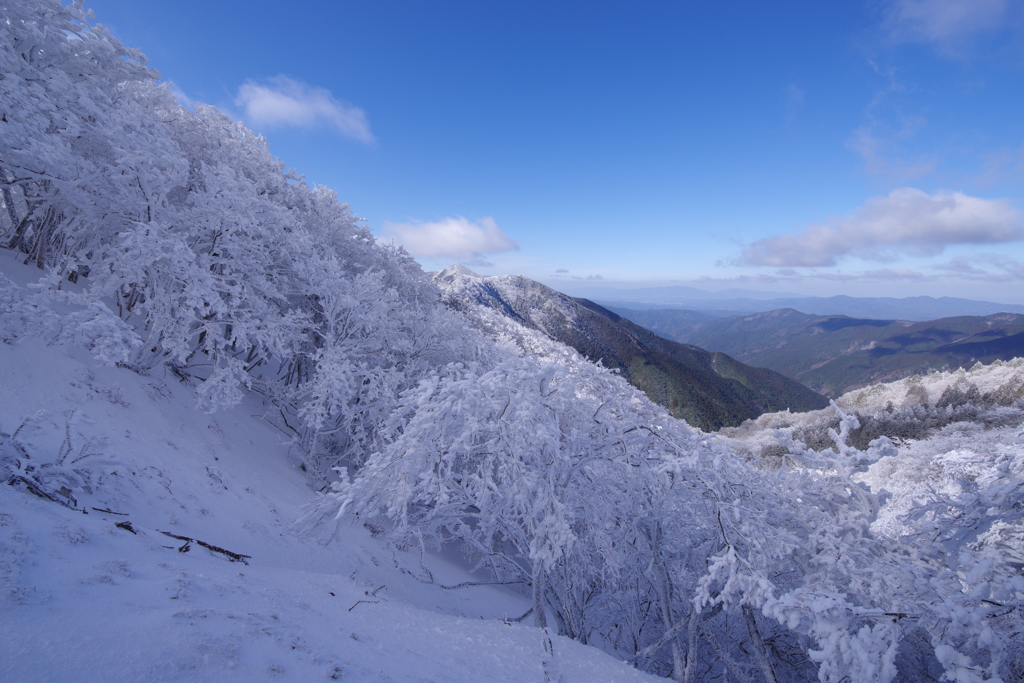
[705, 389]
[517, 297]
[961, 449]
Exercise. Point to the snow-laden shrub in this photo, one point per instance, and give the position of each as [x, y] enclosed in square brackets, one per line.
[907, 410]
[641, 535]
[949, 518]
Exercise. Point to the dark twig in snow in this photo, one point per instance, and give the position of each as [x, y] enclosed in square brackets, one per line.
[111, 512]
[234, 557]
[368, 602]
[371, 594]
[518, 619]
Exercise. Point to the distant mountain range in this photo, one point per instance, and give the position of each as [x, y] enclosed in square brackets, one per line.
[674, 294]
[708, 390]
[731, 302]
[835, 353]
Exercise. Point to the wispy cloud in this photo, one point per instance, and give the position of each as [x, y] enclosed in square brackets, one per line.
[949, 25]
[906, 220]
[881, 151]
[183, 99]
[892, 274]
[985, 268]
[282, 101]
[456, 238]
[1001, 165]
[882, 142]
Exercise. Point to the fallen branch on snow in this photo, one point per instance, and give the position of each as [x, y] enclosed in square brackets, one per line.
[370, 594]
[234, 557]
[38, 489]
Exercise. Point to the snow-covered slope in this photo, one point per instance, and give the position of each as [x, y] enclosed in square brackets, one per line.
[999, 384]
[960, 447]
[98, 592]
[1003, 379]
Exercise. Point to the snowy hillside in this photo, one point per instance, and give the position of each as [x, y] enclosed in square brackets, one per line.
[1001, 381]
[985, 393]
[94, 590]
[961, 448]
[241, 439]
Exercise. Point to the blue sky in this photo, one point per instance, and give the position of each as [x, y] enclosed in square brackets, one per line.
[868, 148]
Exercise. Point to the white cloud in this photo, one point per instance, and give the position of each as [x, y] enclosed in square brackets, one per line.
[906, 220]
[286, 102]
[455, 238]
[948, 24]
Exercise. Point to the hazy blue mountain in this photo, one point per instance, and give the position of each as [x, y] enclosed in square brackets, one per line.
[674, 324]
[882, 308]
[709, 390]
[833, 353]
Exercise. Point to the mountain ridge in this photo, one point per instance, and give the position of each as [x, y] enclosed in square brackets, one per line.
[709, 390]
[917, 308]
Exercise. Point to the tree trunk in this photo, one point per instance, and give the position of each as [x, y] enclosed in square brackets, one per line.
[540, 619]
[760, 651]
[691, 650]
[678, 664]
[12, 212]
[17, 237]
